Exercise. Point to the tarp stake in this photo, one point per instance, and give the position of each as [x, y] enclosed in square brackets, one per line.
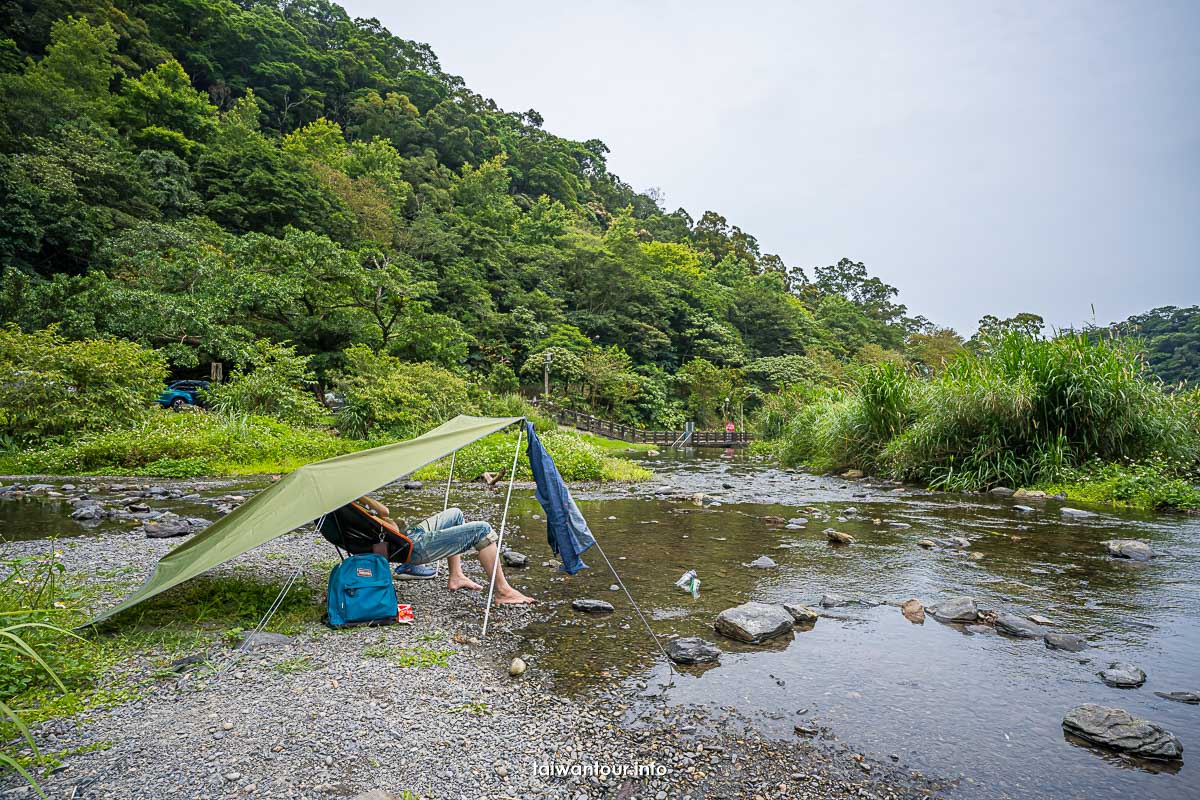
[512, 476]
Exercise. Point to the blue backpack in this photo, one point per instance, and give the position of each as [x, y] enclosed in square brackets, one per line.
[361, 592]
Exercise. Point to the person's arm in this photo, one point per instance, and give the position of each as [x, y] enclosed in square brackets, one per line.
[373, 504]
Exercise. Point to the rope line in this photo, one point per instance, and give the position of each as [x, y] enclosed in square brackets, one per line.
[632, 602]
[512, 476]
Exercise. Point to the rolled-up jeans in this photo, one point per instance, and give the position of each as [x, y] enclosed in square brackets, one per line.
[447, 534]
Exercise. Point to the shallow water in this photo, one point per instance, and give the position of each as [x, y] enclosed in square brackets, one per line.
[974, 706]
[981, 707]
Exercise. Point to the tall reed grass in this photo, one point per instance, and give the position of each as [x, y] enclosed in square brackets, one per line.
[1018, 413]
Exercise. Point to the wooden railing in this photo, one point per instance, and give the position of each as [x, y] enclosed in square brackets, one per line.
[628, 433]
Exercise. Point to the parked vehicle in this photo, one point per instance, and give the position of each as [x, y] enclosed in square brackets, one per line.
[183, 393]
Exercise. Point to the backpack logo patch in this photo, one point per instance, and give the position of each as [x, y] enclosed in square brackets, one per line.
[365, 572]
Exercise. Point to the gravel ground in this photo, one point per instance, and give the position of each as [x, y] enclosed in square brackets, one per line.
[329, 714]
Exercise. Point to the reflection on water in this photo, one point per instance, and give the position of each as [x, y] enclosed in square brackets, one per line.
[945, 699]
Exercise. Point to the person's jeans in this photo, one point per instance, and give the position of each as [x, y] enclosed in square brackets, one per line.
[447, 534]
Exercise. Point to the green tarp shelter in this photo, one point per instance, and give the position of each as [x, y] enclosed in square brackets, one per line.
[304, 496]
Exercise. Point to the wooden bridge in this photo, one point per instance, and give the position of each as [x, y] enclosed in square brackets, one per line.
[628, 433]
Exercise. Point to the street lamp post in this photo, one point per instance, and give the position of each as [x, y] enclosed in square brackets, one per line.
[546, 375]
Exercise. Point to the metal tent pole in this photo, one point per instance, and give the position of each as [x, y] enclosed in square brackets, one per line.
[487, 611]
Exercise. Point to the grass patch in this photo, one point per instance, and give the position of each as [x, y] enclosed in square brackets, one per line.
[577, 460]
[476, 709]
[294, 664]
[1150, 485]
[422, 657]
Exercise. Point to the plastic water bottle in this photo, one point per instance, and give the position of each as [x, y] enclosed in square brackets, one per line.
[685, 582]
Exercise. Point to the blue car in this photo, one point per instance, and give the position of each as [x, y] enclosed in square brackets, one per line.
[183, 393]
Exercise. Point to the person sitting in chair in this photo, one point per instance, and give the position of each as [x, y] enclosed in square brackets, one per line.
[444, 535]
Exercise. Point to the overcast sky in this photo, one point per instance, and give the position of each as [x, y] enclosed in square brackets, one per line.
[984, 158]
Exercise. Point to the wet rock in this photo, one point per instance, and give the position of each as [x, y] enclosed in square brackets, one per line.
[414, 485]
[137, 508]
[693, 650]
[1018, 627]
[589, 606]
[1000, 491]
[1029, 493]
[91, 511]
[801, 614]
[1192, 698]
[1120, 675]
[39, 489]
[259, 640]
[958, 541]
[1117, 729]
[1076, 513]
[182, 665]
[913, 611]
[900, 526]
[754, 622]
[1070, 642]
[837, 537]
[762, 562]
[956, 609]
[1020, 509]
[773, 520]
[834, 601]
[512, 558]
[926, 543]
[853, 474]
[1040, 620]
[1129, 548]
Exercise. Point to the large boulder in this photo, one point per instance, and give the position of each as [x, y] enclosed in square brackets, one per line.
[762, 562]
[1123, 676]
[693, 650]
[956, 609]
[1115, 728]
[1192, 698]
[1129, 548]
[754, 622]
[1019, 627]
[1076, 513]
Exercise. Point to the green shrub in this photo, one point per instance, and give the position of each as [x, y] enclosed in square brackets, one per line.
[270, 384]
[184, 445]
[51, 386]
[576, 459]
[1150, 484]
[387, 396]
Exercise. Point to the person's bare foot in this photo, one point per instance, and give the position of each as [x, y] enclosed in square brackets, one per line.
[512, 597]
[457, 582]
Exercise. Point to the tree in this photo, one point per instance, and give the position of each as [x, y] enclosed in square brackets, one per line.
[935, 349]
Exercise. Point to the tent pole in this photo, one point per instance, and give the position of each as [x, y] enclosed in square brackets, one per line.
[437, 568]
[512, 476]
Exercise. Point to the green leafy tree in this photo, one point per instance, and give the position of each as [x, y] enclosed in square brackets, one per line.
[272, 382]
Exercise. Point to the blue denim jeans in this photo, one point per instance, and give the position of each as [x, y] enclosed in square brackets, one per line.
[447, 534]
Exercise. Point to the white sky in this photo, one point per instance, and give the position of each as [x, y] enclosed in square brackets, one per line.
[984, 158]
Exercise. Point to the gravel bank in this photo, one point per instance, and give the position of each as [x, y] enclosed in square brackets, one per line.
[332, 714]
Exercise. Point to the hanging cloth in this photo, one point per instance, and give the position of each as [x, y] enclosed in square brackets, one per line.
[566, 529]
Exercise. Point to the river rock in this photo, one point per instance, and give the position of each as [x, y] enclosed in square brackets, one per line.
[1018, 627]
[517, 667]
[91, 511]
[801, 614]
[762, 562]
[1070, 642]
[1000, 491]
[1129, 548]
[926, 543]
[413, 485]
[837, 537]
[1020, 509]
[853, 474]
[773, 520]
[512, 558]
[258, 640]
[167, 529]
[1034, 493]
[1040, 620]
[592, 606]
[913, 611]
[1123, 676]
[1116, 728]
[834, 600]
[798, 521]
[754, 622]
[1192, 698]
[1076, 513]
[693, 650]
[956, 609]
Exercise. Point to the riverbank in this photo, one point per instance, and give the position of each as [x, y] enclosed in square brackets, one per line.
[426, 709]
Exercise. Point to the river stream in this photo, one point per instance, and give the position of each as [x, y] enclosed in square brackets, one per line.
[964, 704]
